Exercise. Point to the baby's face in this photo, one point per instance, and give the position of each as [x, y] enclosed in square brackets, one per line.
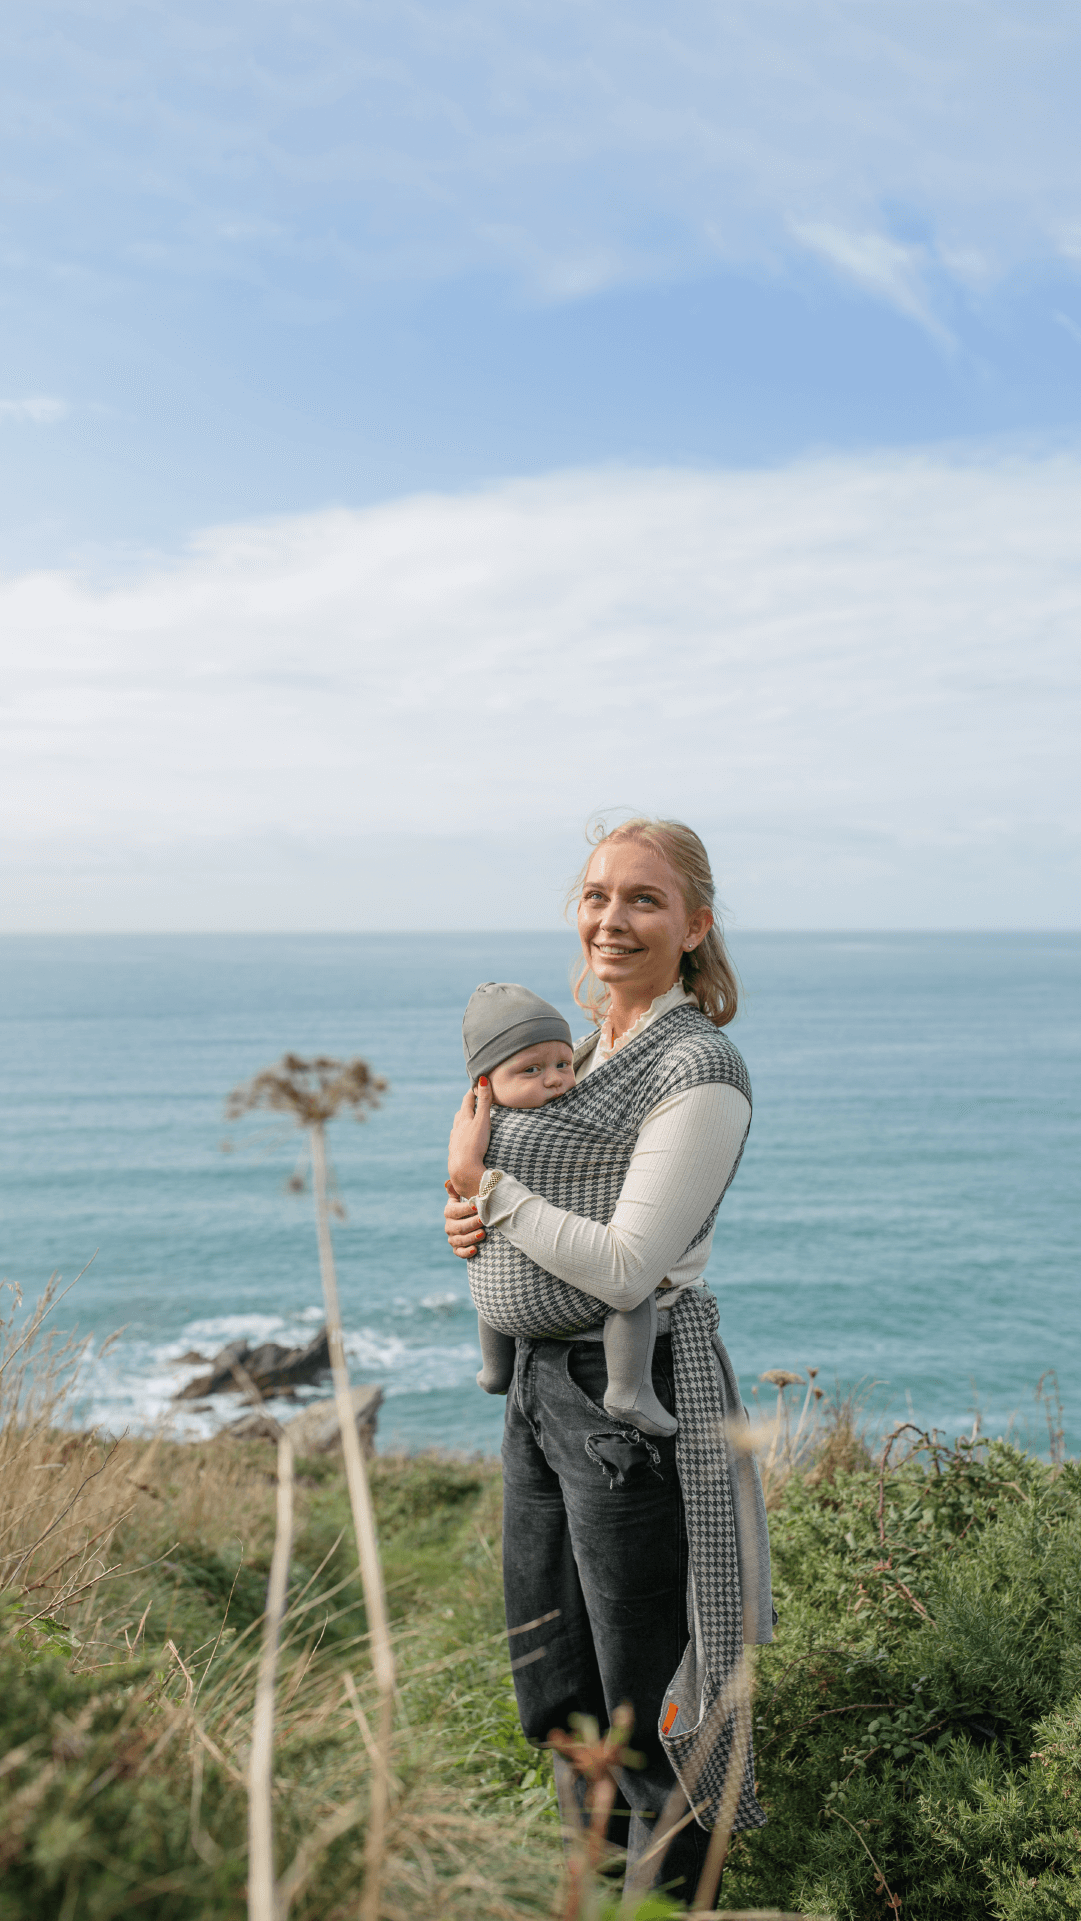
[535, 1076]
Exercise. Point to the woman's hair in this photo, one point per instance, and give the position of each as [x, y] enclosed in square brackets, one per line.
[707, 970]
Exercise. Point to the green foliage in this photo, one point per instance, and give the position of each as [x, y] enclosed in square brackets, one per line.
[1015, 1834]
[440, 1525]
[915, 1739]
[110, 1798]
[918, 1718]
[88, 1819]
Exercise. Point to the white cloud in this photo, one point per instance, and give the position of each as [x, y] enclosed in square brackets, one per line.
[857, 676]
[42, 409]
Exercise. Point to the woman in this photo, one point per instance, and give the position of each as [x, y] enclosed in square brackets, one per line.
[643, 1564]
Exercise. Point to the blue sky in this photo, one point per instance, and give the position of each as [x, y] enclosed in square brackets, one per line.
[266, 257]
[279, 267]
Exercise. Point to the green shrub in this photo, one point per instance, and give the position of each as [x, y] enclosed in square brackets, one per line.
[928, 1650]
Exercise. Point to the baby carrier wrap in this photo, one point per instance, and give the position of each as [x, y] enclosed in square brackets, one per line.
[575, 1152]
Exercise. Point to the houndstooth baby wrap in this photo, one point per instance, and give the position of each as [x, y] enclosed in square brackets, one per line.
[575, 1152]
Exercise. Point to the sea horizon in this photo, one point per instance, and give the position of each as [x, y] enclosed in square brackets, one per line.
[904, 1214]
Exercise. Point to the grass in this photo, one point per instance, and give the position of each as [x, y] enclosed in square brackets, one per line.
[917, 1720]
[131, 1706]
[134, 1583]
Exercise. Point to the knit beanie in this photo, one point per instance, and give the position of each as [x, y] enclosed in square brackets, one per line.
[501, 1019]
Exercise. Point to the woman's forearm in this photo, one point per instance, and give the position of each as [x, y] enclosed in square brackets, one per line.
[683, 1160]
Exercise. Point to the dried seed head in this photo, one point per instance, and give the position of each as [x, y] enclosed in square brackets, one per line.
[312, 1091]
[782, 1377]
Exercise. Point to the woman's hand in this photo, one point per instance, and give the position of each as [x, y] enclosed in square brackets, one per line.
[469, 1139]
[462, 1223]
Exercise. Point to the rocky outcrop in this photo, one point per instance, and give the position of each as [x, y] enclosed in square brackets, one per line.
[269, 1368]
[317, 1429]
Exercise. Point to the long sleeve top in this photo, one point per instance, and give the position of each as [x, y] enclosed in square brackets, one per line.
[684, 1156]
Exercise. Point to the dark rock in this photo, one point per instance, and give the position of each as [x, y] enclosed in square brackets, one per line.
[272, 1368]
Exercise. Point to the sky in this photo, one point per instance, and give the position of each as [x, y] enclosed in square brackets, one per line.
[422, 426]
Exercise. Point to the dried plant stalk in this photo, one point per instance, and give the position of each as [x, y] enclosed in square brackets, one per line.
[360, 1501]
[717, 1852]
[262, 1893]
[739, 1693]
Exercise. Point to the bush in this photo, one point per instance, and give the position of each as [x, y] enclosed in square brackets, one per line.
[917, 1720]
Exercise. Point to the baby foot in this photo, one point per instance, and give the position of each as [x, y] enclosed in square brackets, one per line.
[644, 1412]
[493, 1381]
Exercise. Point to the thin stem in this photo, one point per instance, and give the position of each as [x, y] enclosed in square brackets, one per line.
[717, 1852]
[45, 1307]
[262, 1894]
[360, 1501]
[802, 1417]
[893, 1901]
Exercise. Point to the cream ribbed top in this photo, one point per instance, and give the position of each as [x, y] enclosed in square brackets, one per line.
[686, 1149]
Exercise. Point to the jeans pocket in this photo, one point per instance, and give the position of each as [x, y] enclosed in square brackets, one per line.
[587, 1375]
[664, 1381]
[624, 1455]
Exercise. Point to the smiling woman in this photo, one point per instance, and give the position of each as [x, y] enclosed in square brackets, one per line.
[634, 896]
[647, 1543]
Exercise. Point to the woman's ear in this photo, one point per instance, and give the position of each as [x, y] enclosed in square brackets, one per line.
[697, 928]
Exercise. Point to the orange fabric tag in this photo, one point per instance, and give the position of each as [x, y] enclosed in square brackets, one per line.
[669, 1721]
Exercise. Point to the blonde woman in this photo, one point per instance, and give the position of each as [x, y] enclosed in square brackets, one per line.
[644, 1561]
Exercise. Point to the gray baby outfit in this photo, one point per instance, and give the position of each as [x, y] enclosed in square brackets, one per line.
[501, 1019]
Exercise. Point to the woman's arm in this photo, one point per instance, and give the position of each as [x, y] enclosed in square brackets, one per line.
[684, 1158]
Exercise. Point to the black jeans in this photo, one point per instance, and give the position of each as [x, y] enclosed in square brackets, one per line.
[594, 1527]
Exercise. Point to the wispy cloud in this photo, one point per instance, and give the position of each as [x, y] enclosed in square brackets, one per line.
[431, 138]
[42, 409]
[882, 267]
[858, 677]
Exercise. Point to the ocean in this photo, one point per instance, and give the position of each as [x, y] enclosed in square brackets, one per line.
[905, 1219]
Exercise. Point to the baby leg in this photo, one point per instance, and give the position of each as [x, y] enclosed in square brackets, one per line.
[628, 1352]
[497, 1353]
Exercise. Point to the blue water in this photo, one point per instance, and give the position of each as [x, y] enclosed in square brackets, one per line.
[906, 1212]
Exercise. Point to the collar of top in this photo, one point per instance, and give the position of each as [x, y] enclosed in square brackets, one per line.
[677, 996]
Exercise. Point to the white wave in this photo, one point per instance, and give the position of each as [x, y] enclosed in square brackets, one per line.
[132, 1384]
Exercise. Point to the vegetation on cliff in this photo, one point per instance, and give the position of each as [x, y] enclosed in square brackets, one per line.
[917, 1720]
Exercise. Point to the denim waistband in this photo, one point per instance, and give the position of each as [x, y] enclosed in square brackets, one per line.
[595, 1334]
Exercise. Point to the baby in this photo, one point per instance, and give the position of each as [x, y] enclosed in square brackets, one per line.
[523, 1045]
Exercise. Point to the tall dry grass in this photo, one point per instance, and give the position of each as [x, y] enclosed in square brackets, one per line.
[97, 1537]
[278, 1738]
[63, 1496]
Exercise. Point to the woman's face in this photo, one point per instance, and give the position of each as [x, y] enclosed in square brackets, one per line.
[633, 921]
